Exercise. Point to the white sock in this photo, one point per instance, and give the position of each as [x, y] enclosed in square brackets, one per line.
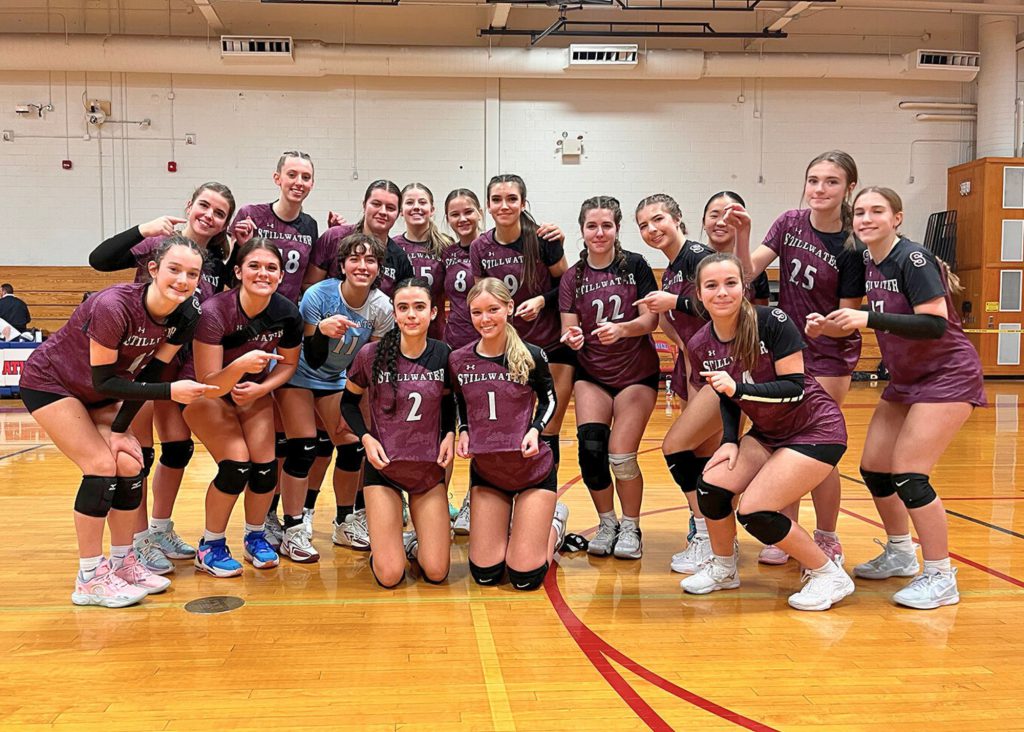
[827, 534]
[729, 561]
[213, 535]
[635, 520]
[249, 528]
[609, 516]
[162, 525]
[902, 543]
[826, 568]
[87, 566]
[937, 565]
[141, 535]
[701, 526]
[118, 554]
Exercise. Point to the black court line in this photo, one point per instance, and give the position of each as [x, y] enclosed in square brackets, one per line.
[965, 517]
[20, 452]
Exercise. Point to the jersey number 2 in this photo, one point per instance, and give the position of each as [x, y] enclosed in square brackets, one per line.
[807, 281]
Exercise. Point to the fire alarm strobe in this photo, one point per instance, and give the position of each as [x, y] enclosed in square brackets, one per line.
[172, 167]
[66, 164]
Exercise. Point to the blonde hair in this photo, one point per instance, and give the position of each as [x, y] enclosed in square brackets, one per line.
[437, 241]
[517, 356]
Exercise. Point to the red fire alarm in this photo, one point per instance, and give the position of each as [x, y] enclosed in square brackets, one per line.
[172, 167]
[66, 164]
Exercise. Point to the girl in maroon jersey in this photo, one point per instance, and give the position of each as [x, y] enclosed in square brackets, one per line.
[464, 215]
[753, 357]
[425, 246]
[233, 350]
[935, 383]
[410, 441]
[207, 214]
[617, 372]
[114, 347]
[695, 434]
[821, 269]
[529, 259]
[505, 398]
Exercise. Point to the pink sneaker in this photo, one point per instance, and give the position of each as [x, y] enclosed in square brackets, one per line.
[134, 572]
[772, 555]
[106, 589]
[832, 548]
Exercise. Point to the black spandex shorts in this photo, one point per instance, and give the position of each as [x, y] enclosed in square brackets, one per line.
[35, 399]
[651, 381]
[561, 354]
[550, 482]
[317, 393]
[830, 454]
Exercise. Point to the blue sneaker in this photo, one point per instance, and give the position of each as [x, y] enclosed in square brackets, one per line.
[258, 551]
[215, 558]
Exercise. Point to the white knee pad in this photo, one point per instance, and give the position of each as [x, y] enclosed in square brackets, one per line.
[624, 465]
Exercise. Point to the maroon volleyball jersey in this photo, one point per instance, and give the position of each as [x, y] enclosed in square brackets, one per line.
[598, 296]
[458, 279]
[393, 269]
[431, 268]
[407, 422]
[224, 323]
[498, 412]
[211, 282]
[945, 369]
[294, 238]
[488, 258]
[814, 419]
[116, 318]
[816, 270]
[679, 278]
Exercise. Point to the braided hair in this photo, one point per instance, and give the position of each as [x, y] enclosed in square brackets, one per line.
[385, 360]
[608, 203]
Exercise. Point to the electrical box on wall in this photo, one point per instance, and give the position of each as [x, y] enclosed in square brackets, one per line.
[65, 164]
[172, 167]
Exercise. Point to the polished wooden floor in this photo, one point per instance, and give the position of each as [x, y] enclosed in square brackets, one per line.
[606, 645]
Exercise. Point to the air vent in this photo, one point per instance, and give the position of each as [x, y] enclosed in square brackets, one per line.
[257, 49]
[586, 54]
[948, 59]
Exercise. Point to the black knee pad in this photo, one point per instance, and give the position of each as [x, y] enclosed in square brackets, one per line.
[280, 445]
[232, 475]
[682, 466]
[527, 581]
[350, 457]
[177, 454]
[487, 575]
[552, 441]
[127, 493]
[263, 477]
[148, 457]
[913, 489]
[377, 579]
[593, 441]
[715, 503]
[301, 456]
[95, 495]
[768, 527]
[879, 484]
[324, 446]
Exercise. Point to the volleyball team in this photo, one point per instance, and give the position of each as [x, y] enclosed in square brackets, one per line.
[279, 348]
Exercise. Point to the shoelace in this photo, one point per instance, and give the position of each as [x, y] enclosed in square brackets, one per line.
[219, 551]
[175, 540]
[258, 543]
[150, 551]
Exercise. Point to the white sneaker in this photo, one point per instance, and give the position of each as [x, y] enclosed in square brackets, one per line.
[307, 521]
[296, 546]
[929, 590]
[890, 563]
[604, 540]
[630, 544]
[714, 574]
[461, 525]
[823, 588]
[559, 523]
[695, 554]
[411, 544]
[274, 529]
[352, 531]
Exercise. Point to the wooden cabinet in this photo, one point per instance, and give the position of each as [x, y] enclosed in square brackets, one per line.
[988, 196]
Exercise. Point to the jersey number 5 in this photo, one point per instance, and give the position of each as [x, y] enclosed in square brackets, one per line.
[807, 282]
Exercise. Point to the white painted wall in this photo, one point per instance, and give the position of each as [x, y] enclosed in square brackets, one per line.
[688, 139]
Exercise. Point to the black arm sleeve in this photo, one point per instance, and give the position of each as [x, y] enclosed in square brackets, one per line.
[688, 306]
[314, 348]
[544, 387]
[115, 253]
[916, 326]
[152, 372]
[551, 296]
[448, 414]
[787, 388]
[351, 413]
[730, 419]
[106, 381]
[460, 406]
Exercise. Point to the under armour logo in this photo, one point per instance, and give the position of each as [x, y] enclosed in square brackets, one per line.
[470, 367]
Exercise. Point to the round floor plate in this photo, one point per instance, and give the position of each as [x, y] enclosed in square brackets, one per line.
[214, 605]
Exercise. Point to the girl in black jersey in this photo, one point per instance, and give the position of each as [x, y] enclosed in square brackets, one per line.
[410, 441]
[722, 234]
[206, 219]
[234, 350]
[617, 373]
[506, 398]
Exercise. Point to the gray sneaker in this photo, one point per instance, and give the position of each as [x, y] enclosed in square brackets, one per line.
[929, 590]
[151, 557]
[411, 544]
[890, 563]
[274, 529]
[604, 540]
[172, 545]
[630, 544]
[461, 524]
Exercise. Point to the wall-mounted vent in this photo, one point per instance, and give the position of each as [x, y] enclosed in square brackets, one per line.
[587, 54]
[258, 49]
[948, 59]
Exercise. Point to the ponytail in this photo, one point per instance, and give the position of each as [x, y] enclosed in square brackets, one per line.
[746, 347]
[531, 251]
[952, 280]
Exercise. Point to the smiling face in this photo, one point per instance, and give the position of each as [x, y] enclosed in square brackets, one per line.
[208, 214]
[177, 275]
[417, 207]
[657, 227]
[295, 179]
[260, 272]
[720, 289]
[505, 203]
[720, 237]
[380, 211]
[826, 187]
[413, 310]
[489, 315]
[361, 266]
[599, 231]
[464, 217]
[874, 221]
